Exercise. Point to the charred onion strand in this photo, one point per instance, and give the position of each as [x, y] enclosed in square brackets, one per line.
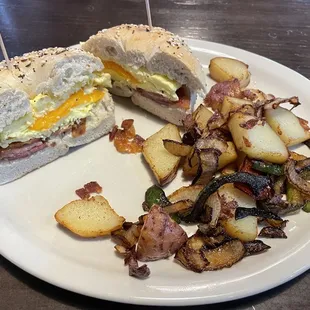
[255, 247]
[141, 272]
[258, 184]
[207, 165]
[244, 212]
[302, 165]
[295, 179]
[280, 208]
[274, 103]
[272, 232]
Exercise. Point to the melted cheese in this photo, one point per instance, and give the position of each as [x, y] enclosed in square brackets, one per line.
[52, 117]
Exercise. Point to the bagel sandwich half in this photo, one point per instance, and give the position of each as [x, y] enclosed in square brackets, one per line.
[155, 68]
[53, 99]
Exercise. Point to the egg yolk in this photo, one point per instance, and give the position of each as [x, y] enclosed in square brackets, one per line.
[112, 66]
[47, 121]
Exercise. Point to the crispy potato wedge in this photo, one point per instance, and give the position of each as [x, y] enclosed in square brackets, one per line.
[89, 218]
[201, 116]
[231, 104]
[185, 193]
[229, 156]
[287, 125]
[177, 148]
[244, 229]
[257, 139]
[226, 69]
[163, 164]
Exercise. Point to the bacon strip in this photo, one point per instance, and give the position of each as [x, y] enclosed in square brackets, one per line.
[89, 188]
[79, 129]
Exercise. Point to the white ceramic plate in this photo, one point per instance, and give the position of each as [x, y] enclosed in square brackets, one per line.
[31, 239]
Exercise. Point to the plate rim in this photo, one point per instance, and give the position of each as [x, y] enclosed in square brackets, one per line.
[305, 249]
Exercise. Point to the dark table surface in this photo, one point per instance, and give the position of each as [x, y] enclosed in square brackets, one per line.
[277, 29]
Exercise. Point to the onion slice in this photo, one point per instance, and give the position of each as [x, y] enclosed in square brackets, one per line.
[295, 179]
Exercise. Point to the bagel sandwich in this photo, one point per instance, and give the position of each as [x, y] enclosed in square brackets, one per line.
[155, 68]
[52, 100]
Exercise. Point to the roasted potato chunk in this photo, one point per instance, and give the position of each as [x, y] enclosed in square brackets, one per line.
[288, 126]
[89, 218]
[256, 139]
[163, 164]
[226, 69]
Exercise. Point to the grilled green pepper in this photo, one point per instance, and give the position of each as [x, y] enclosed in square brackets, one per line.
[306, 207]
[293, 195]
[267, 167]
[155, 195]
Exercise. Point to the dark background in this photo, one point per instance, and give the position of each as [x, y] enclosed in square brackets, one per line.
[277, 29]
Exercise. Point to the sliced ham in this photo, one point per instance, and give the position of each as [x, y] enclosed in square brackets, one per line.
[182, 92]
[19, 150]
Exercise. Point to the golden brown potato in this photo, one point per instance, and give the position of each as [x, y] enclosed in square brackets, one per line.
[244, 229]
[89, 218]
[163, 164]
[226, 69]
[231, 104]
[256, 139]
[288, 126]
[229, 156]
[201, 116]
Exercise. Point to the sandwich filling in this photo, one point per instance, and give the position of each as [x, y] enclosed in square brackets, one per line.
[157, 87]
[51, 116]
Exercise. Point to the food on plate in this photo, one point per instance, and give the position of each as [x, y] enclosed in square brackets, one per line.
[89, 188]
[126, 140]
[160, 236]
[89, 218]
[256, 138]
[219, 91]
[234, 151]
[229, 156]
[155, 236]
[201, 116]
[231, 104]
[154, 196]
[177, 148]
[53, 99]
[185, 193]
[291, 129]
[197, 255]
[272, 232]
[255, 247]
[244, 229]
[226, 69]
[154, 67]
[163, 164]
